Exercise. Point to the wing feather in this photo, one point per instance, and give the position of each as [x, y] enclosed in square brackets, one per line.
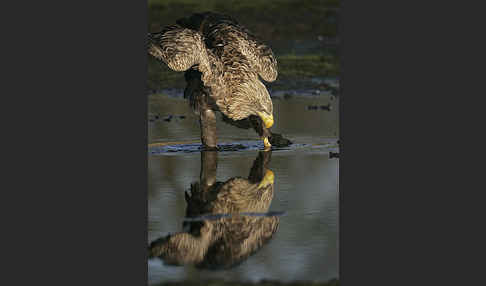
[259, 55]
[178, 47]
[262, 58]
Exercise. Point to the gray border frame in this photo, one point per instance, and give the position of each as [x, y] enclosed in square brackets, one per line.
[78, 73]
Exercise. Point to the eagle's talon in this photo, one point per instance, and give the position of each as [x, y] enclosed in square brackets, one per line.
[226, 79]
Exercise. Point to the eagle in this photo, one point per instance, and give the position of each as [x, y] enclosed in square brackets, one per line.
[224, 64]
[226, 241]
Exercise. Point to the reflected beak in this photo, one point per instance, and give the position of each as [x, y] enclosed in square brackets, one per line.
[268, 179]
[267, 120]
[266, 143]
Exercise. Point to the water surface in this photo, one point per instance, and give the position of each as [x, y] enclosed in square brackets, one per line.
[305, 187]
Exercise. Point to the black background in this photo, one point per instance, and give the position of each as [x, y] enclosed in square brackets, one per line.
[74, 189]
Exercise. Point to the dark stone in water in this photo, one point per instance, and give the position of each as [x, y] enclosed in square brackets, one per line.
[322, 107]
[168, 119]
[326, 107]
[278, 140]
[333, 155]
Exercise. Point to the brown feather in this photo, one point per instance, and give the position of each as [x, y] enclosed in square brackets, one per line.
[228, 56]
[226, 241]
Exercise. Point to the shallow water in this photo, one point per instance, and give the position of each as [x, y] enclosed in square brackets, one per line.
[305, 188]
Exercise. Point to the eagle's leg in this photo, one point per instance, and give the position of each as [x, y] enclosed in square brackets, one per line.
[262, 131]
[201, 103]
[200, 192]
[207, 119]
[209, 165]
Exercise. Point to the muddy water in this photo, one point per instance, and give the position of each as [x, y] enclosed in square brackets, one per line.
[304, 200]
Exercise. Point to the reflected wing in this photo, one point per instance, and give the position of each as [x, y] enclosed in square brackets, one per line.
[178, 47]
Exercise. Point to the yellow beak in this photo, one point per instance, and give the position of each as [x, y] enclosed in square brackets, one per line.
[267, 120]
[268, 179]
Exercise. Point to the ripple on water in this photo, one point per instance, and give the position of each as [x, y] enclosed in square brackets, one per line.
[175, 149]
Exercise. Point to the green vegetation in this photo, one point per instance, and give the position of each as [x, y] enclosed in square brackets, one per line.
[291, 68]
[275, 20]
[292, 65]
[290, 27]
[161, 77]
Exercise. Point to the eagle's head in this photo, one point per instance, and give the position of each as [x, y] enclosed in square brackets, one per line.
[264, 109]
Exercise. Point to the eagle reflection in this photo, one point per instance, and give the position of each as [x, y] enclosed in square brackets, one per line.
[222, 241]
